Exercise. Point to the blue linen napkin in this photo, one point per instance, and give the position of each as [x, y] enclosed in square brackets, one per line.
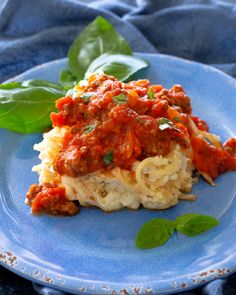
[36, 31]
[33, 32]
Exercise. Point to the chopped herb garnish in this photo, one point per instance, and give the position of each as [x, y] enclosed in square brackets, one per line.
[151, 94]
[164, 123]
[121, 98]
[164, 126]
[88, 128]
[177, 119]
[208, 141]
[107, 159]
[86, 96]
[140, 120]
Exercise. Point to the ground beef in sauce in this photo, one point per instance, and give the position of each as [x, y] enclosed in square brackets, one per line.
[113, 124]
[50, 198]
[128, 128]
[230, 146]
[176, 97]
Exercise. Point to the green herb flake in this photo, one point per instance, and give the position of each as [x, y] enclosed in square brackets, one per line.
[164, 126]
[151, 94]
[177, 119]
[107, 159]
[164, 123]
[86, 96]
[140, 120]
[208, 141]
[88, 128]
[121, 98]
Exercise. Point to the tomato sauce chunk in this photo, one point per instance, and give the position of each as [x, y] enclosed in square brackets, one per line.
[210, 159]
[50, 198]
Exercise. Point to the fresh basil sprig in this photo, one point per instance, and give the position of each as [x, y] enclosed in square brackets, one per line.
[119, 65]
[99, 47]
[25, 106]
[97, 38]
[27, 109]
[157, 232]
[194, 224]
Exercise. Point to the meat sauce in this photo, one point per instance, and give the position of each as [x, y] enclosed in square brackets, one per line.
[122, 120]
[50, 198]
[114, 124]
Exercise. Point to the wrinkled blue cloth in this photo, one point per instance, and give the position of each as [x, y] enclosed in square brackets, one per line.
[36, 31]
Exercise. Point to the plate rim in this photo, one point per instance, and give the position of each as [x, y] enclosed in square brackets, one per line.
[97, 287]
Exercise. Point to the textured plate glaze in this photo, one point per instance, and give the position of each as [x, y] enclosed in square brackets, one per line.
[94, 252]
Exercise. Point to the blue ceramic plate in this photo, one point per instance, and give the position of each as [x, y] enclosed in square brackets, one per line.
[94, 252]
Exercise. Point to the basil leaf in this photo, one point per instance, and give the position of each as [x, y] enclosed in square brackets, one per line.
[154, 233]
[11, 85]
[68, 79]
[88, 128]
[98, 38]
[151, 94]
[118, 65]
[120, 98]
[194, 224]
[41, 83]
[157, 232]
[107, 159]
[26, 110]
[30, 83]
[87, 95]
